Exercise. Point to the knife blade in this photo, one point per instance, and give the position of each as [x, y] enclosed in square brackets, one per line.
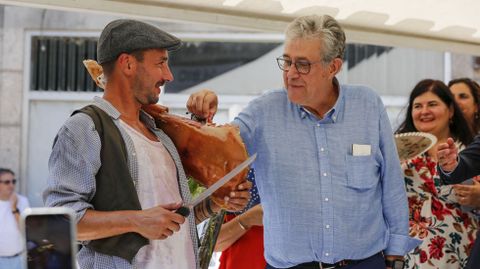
[185, 209]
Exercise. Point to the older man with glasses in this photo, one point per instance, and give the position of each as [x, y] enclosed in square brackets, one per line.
[11, 204]
[327, 169]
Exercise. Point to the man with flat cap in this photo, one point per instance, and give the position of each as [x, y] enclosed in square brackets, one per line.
[118, 172]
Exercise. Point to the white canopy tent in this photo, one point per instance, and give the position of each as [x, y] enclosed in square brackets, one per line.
[444, 25]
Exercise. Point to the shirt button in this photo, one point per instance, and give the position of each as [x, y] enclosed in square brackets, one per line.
[324, 174]
[322, 149]
[318, 124]
[327, 226]
[334, 117]
[134, 154]
[326, 254]
[326, 199]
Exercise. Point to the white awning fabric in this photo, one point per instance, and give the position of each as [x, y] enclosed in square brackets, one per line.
[445, 25]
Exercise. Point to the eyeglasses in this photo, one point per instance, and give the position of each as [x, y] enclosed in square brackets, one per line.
[7, 182]
[302, 66]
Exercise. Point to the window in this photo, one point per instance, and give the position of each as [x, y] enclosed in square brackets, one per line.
[56, 63]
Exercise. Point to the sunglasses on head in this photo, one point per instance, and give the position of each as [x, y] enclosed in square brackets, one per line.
[6, 182]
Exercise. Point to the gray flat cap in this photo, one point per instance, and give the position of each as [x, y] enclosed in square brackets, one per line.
[125, 36]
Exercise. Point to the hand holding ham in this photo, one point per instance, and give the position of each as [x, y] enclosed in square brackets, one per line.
[447, 154]
[203, 104]
[238, 199]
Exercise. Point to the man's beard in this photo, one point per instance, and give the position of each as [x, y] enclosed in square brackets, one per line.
[142, 91]
[152, 99]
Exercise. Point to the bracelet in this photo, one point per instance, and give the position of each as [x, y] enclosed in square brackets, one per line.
[16, 211]
[240, 224]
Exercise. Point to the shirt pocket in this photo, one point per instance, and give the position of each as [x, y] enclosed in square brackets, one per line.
[362, 172]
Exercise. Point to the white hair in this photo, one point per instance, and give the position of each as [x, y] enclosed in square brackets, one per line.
[324, 28]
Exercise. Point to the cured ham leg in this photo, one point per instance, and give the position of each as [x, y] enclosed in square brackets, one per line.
[208, 152]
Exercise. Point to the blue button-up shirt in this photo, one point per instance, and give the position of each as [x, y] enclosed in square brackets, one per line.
[321, 201]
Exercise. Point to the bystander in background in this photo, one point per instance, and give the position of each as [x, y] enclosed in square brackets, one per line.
[11, 205]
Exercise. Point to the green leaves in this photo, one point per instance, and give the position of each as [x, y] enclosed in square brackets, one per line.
[195, 188]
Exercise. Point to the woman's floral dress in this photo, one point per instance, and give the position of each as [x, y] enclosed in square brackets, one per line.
[447, 232]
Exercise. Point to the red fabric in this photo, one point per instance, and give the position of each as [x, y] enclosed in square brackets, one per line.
[246, 252]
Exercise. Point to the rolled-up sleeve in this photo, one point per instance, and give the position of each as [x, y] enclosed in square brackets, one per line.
[400, 245]
[394, 197]
[73, 164]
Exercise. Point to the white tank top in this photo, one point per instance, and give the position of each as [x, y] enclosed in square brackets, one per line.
[157, 185]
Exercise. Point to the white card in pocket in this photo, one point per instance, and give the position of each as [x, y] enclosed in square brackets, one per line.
[361, 150]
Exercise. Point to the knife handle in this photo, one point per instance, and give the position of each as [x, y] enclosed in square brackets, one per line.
[183, 210]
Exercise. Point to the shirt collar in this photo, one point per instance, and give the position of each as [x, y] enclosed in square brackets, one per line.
[332, 114]
[115, 114]
[148, 120]
[107, 107]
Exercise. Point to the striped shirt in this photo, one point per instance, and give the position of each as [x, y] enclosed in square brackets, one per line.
[74, 162]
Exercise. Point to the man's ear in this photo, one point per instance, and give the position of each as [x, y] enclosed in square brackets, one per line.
[334, 67]
[126, 64]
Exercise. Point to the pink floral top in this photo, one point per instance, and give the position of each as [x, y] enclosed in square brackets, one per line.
[447, 232]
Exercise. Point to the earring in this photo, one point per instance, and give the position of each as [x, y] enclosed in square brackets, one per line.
[476, 115]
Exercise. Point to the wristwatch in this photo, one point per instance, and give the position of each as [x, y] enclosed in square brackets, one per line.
[15, 211]
[395, 264]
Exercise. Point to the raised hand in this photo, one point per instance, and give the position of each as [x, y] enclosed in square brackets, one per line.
[447, 154]
[203, 104]
[14, 201]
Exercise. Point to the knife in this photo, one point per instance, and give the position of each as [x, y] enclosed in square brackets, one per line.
[185, 209]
